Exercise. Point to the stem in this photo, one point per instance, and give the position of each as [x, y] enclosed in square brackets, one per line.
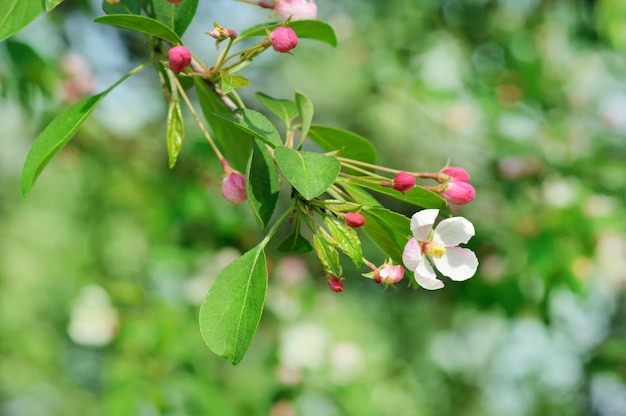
[198, 67]
[195, 116]
[360, 178]
[283, 217]
[220, 58]
[366, 172]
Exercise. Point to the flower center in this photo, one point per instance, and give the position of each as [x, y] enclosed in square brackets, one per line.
[433, 249]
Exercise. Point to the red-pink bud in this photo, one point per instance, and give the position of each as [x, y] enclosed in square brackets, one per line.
[456, 173]
[267, 4]
[389, 274]
[180, 58]
[354, 219]
[296, 9]
[283, 39]
[174, 1]
[234, 188]
[335, 284]
[458, 192]
[403, 182]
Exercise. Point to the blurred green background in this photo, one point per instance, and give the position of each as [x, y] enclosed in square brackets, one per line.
[103, 266]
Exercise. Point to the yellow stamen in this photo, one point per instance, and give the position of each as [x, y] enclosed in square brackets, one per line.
[434, 249]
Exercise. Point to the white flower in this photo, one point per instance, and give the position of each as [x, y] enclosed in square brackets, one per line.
[297, 9]
[439, 246]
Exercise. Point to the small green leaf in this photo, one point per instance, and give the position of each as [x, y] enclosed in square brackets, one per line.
[141, 24]
[388, 230]
[286, 110]
[231, 311]
[262, 184]
[123, 7]
[346, 238]
[229, 82]
[417, 196]
[15, 15]
[175, 131]
[360, 195]
[54, 137]
[310, 173]
[305, 109]
[311, 29]
[295, 243]
[175, 16]
[351, 145]
[328, 256]
[51, 4]
[254, 123]
[233, 142]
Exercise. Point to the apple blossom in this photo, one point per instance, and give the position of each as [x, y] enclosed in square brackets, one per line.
[459, 192]
[439, 246]
[234, 188]
[456, 173]
[283, 39]
[296, 9]
[179, 58]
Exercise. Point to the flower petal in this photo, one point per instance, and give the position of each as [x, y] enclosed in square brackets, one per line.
[426, 277]
[458, 263]
[422, 222]
[412, 255]
[453, 231]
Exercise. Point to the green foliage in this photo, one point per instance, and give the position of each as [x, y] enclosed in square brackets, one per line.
[388, 230]
[254, 123]
[345, 143]
[15, 15]
[232, 309]
[262, 186]
[305, 110]
[286, 110]
[345, 238]
[309, 29]
[175, 131]
[327, 254]
[310, 173]
[141, 24]
[175, 16]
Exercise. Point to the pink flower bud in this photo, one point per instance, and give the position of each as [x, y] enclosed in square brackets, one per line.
[180, 58]
[335, 284]
[221, 33]
[354, 219]
[389, 274]
[283, 39]
[459, 192]
[403, 182]
[234, 188]
[297, 9]
[174, 1]
[456, 173]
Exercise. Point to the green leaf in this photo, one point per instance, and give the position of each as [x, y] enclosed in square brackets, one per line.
[295, 243]
[328, 255]
[346, 238]
[51, 4]
[351, 145]
[54, 137]
[305, 109]
[233, 142]
[175, 16]
[417, 196]
[15, 15]
[123, 7]
[231, 311]
[229, 82]
[175, 131]
[262, 186]
[388, 230]
[310, 173]
[254, 123]
[141, 24]
[286, 110]
[311, 29]
[360, 195]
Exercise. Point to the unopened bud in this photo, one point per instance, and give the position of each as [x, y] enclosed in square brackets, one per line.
[296, 9]
[389, 274]
[335, 284]
[283, 39]
[403, 182]
[221, 33]
[234, 188]
[354, 219]
[456, 173]
[458, 192]
[180, 58]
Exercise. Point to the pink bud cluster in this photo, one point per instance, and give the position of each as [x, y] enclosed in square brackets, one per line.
[179, 58]
[458, 189]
